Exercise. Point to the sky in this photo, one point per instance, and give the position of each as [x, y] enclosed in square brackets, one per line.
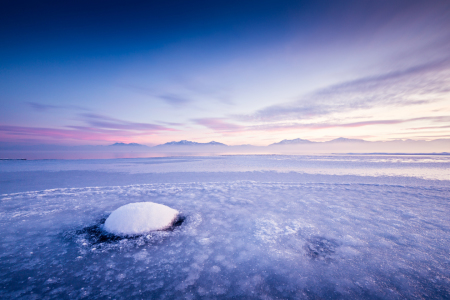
[237, 72]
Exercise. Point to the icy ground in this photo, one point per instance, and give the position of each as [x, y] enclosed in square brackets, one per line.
[246, 233]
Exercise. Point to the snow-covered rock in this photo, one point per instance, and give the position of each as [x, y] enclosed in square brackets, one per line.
[140, 218]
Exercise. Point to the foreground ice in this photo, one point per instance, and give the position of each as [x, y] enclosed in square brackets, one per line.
[139, 218]
[418, 166]
[266, 227]
[240, 239]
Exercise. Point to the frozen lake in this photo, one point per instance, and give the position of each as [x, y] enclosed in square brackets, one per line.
[255, 227]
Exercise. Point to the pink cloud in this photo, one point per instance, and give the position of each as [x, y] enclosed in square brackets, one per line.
[75, 133]
[98, 128]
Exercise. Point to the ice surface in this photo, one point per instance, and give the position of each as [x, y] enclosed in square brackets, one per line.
[280, 236]
[418, 166]
[140, 218]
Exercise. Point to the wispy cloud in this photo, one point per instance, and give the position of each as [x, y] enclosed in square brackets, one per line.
[10, 132]
[210, 90]
[430, 127]
[172, 123]
[175, 100]
[100, 121]
[416, 85]
[41, 107]
[324, 125]
[99, 128]
[47, 107]
[186, 92]
[219, 124]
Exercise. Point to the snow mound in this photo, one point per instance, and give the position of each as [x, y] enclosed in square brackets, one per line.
[140, 218]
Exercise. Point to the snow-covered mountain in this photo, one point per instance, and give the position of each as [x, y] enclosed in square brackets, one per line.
[345, 140]
[190, 143]
[126, 145]
[292, 142]
[184, 147]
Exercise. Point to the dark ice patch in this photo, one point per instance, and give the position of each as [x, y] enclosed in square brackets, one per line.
[177, 222]
[320, 248]
[95, 234]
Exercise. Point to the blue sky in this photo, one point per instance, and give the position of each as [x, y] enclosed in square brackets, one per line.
[97, 72]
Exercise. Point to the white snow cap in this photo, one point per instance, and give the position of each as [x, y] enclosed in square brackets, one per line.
[139, 218]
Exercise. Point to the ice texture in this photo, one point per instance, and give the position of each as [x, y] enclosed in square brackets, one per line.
[140, 218]
[277, 237]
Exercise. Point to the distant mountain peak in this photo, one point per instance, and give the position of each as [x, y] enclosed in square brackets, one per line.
[190, 143]
[345, 140]
[124, 144]
[215, 143]
[292, 142]
[182, 142]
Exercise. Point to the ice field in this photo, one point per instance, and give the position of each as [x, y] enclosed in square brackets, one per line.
[252, 227]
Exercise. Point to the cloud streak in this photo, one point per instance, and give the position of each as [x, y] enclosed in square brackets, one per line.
[47, 107]
[317, 126]
[12, 132]
[218, 124]
[100, 128]
[189, 92]
[175, 100]
[417, 85]
[100, 121]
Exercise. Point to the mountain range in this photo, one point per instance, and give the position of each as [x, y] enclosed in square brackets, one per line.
[126, 145]
[281, 143]
[286, 147]
[190, 143]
